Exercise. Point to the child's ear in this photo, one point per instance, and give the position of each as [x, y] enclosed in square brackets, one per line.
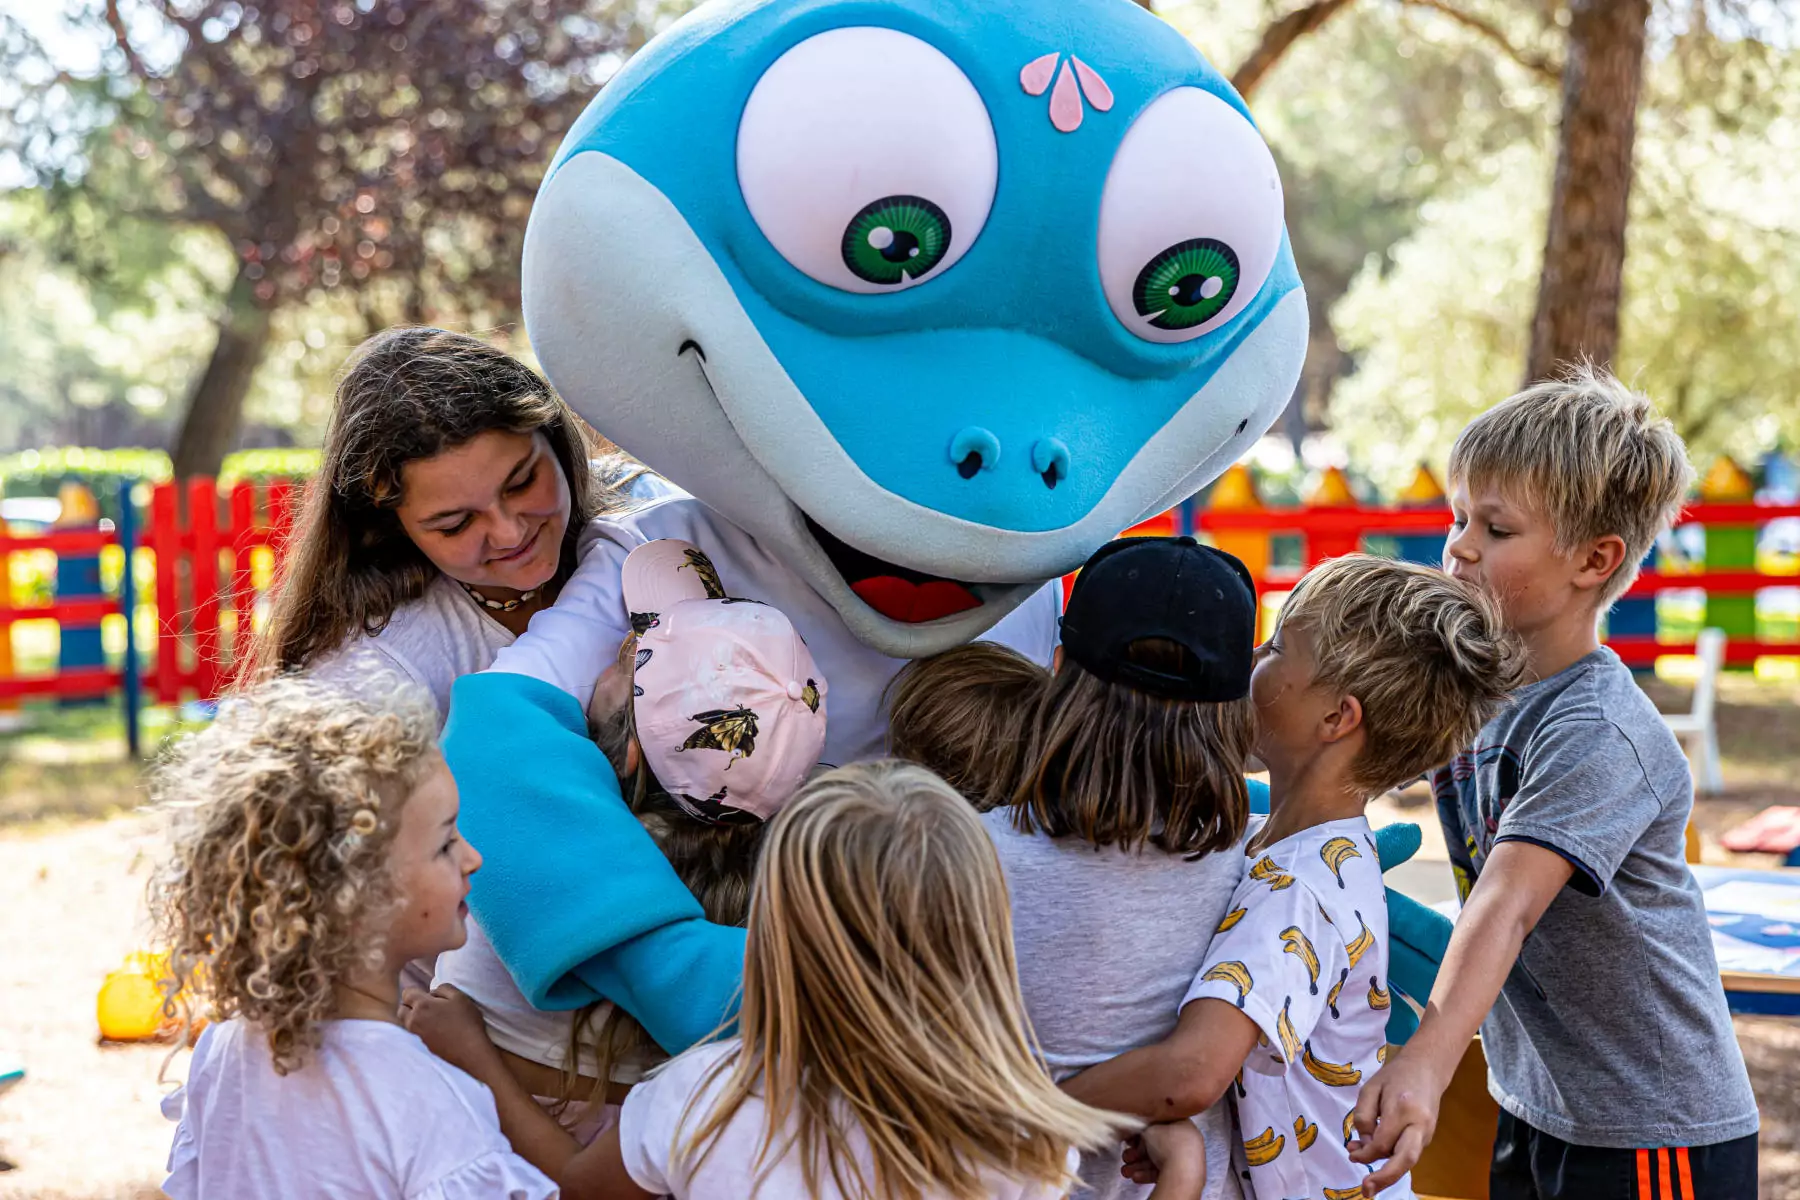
[634, 756]
[1604, 557]
[1343, 720]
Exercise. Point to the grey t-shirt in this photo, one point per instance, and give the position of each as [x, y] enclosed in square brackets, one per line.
[1612, 1029]
[1108, 942]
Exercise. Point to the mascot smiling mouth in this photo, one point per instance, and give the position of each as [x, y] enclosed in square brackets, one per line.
[897, 592]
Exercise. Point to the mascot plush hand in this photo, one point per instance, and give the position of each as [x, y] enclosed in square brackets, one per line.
[922, 301]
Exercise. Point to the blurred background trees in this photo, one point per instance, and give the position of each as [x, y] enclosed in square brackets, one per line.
[212, 201]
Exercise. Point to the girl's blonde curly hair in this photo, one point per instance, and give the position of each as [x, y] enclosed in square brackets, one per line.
[282, 812]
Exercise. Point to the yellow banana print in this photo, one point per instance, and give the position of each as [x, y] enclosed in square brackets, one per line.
[1304, 1133]
[1290, 1041]
[1329, 1073]
[1231, 918]
[1349, 1193]
[1294, 942]
[1264, 870]
[1264, 1148]
[1349, 1128]
[1361, 944]
[1378, 995]
[1325, 914]
[1381, 1055]
[1331, 997]
[1236, 974]
[1239, 1081]
[1337, 852]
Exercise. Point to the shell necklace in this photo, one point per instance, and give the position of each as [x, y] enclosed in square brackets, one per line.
[499, 605]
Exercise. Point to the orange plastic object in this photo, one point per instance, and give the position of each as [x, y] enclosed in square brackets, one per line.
[1236, 492]
[1727, 483]
[1333, 491]
[1424, 491]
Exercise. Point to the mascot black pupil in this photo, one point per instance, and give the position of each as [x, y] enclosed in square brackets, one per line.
[896, 247]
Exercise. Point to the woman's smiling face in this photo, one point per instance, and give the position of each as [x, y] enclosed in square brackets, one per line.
[490, 512]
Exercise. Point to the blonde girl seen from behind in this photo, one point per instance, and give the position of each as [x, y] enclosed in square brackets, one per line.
[315, 852]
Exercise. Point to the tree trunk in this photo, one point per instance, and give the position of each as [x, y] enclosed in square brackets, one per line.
[216, 406]
[1278, 39]
[1584, 249]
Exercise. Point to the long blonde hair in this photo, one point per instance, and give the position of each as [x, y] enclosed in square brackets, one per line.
[880, 984]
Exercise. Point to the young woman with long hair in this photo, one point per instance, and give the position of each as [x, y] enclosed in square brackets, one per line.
[453, 489]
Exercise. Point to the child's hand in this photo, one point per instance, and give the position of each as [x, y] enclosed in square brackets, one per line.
[1396, 1115]
[1172, 1156]
[450, 1024]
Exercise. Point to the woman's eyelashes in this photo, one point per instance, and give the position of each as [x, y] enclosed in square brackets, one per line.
[525, 483]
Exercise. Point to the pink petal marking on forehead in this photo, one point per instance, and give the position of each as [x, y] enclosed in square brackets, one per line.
[1065, 102]
[1092, 86]
[1035, 77]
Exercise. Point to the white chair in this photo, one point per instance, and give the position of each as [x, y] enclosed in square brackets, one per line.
[1696, 727]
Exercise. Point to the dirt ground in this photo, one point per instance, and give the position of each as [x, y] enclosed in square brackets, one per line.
[85, 1125]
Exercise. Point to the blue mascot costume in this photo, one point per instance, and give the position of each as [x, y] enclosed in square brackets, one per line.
[922, 302]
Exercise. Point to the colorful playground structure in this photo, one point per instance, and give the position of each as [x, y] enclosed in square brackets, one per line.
[210, 553]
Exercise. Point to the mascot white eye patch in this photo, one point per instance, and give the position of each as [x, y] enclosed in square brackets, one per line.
[868, 159]
[1190, 222]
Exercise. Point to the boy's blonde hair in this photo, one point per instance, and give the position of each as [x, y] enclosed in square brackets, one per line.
[1588, 453]
[1428, 657]
[880, 985]
[282, 813]
[961, 714]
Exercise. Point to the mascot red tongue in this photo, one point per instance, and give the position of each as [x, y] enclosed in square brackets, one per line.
[899, 600]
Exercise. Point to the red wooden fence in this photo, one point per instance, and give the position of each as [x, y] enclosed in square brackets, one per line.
[203, 569]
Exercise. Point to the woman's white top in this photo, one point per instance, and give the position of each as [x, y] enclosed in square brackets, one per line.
[662, 1111]
[372, 1114]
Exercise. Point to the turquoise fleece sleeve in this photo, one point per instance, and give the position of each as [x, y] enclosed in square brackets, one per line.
[576, 897]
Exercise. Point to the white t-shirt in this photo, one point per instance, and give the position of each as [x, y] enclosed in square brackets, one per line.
[1107, 942]
[1304, 953]
[653, 1125]
[512, 1023]
[372, 1114]
[571, 642]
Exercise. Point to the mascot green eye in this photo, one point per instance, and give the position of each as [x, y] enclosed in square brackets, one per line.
[895, 239]
[1186, 285]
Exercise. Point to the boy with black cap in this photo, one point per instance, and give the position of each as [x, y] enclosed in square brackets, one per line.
[1377, 671]
[1122, 838]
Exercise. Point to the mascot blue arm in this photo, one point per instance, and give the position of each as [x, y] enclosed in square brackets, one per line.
[567, 942]
[931, 299]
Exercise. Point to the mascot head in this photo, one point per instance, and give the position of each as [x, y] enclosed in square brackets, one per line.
[930, 297]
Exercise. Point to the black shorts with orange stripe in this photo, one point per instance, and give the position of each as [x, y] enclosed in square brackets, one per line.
[1529, 1164]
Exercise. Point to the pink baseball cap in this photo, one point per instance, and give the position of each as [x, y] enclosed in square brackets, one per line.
[728, 703]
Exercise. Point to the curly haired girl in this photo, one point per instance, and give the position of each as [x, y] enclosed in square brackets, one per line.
[315, 851]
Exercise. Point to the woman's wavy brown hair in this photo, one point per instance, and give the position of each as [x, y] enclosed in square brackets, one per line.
[1113, 765]
[406, 394]
[282, 812]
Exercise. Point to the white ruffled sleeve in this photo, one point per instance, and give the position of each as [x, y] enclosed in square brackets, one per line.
[496, 1175]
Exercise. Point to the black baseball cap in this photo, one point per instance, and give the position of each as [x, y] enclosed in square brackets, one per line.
[1200, 598]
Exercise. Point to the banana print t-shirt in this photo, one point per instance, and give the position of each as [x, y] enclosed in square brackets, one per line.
[1303, 951]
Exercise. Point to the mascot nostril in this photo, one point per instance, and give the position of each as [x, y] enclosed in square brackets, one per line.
[1050, 459]
[974, 449]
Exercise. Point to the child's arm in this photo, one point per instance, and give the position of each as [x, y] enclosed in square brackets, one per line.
[1396, 1112]
[450, 1024]
[1175, 1078]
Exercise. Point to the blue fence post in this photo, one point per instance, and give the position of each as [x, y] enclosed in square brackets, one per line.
[129, 684]
[78, 578]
